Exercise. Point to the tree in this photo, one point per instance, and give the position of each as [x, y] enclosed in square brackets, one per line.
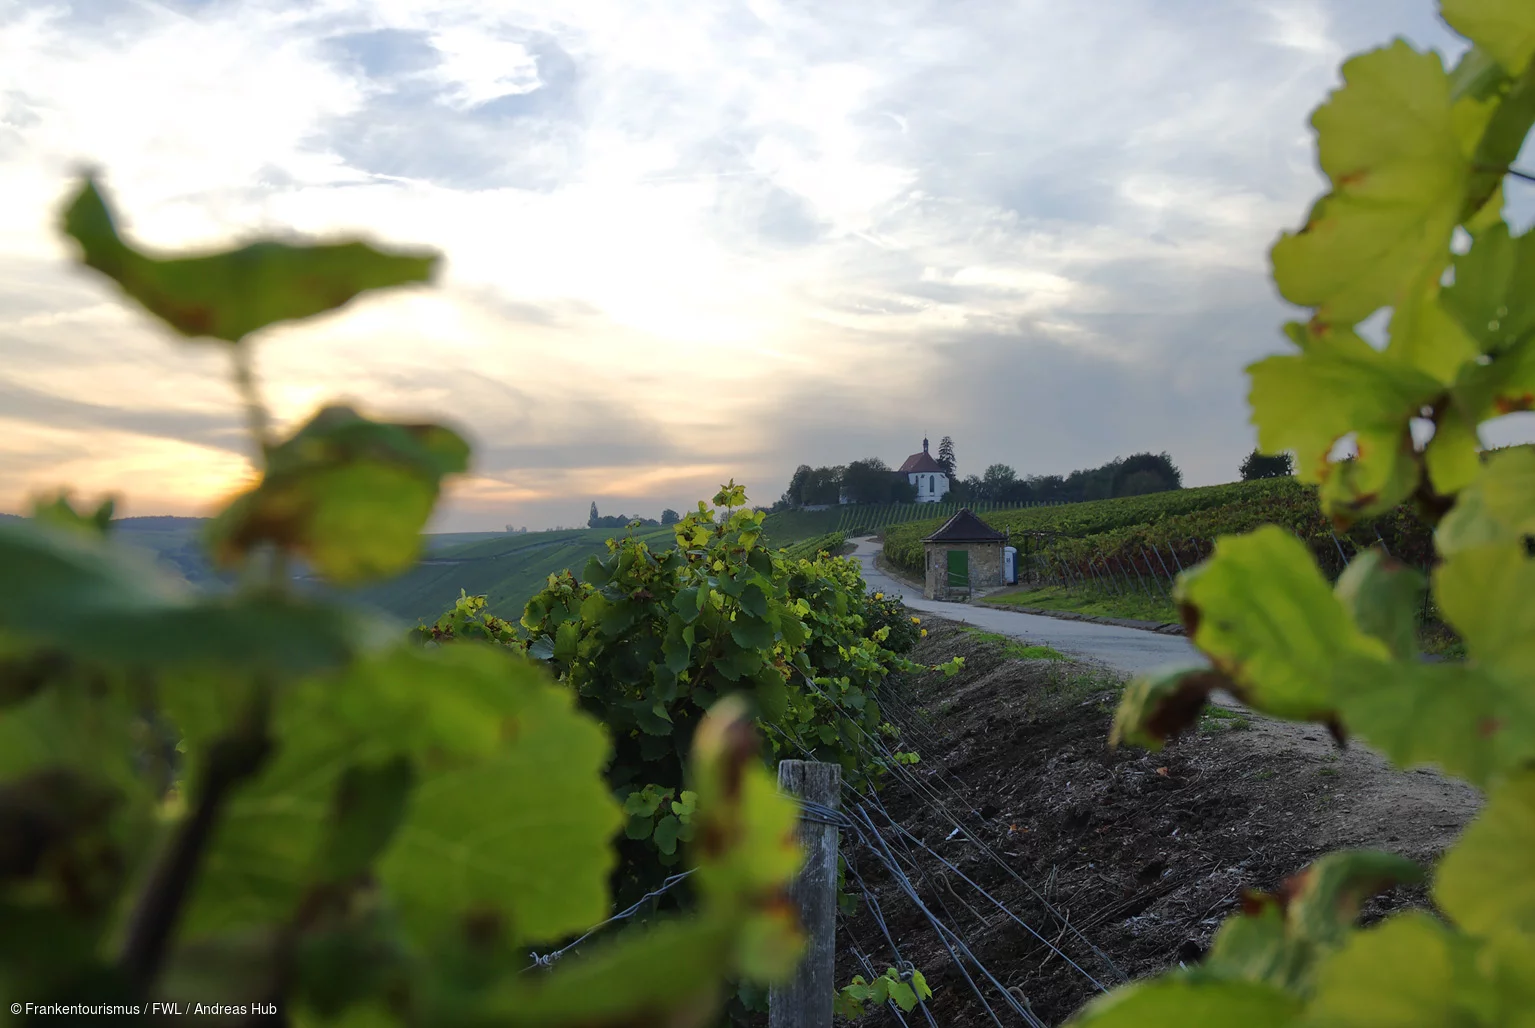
[871, 481]
[1159, 464]
[794, 496]
[670, 517]
[594, 520]
[1257, 465]
[946, 456]
[997, 480]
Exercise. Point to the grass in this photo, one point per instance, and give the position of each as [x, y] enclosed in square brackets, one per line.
[1222, 719]
[1051, 597]
[1015, 649]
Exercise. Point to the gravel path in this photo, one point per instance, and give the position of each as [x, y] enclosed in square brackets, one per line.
[1129, 650]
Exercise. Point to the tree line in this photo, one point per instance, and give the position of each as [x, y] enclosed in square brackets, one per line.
[596, 520]
[871, 480]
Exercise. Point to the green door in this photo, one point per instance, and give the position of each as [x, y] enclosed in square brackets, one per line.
[959, 569]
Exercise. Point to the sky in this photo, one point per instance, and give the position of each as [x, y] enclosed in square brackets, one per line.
[684, 242]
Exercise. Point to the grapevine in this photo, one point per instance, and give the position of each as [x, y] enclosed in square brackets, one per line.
[1414, 152]
[648, 640]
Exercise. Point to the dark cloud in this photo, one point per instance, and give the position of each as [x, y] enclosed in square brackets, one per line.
[383, 53]
[518, 429]
[410, 128]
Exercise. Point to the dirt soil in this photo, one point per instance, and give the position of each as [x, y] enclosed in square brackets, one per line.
[1142, 854]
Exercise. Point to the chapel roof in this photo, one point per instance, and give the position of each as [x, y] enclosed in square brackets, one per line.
[921, 463]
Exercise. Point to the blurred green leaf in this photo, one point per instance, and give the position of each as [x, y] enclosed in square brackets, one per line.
[230, 294]
[1503, 28]
[1264, 615]
[370, 802]
[1396, 150]
[1340, 385]
[1484, 881]
[1490, 296]
[1383, 595]
[1405, 972]
[1174, 1002]
[349, 494]
[140, 616]
[60, 512]
[478, 725]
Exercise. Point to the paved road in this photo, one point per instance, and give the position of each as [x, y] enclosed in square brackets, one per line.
[1125, 649]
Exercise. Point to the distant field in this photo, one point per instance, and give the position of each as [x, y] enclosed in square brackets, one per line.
[788, 527]
[507, 569]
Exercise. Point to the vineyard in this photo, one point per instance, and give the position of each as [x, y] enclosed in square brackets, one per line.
[864, 519]
[1162, 533]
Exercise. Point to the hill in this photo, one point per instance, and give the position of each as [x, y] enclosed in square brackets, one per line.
[507, 569]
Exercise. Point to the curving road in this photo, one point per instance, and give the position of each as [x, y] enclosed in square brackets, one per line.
[1129, 650]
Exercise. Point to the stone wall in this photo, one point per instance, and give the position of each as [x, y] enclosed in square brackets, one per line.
[985, 567]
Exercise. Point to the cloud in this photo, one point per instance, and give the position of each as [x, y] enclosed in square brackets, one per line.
[682, 245]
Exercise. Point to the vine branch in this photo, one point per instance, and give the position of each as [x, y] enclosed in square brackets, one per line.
[231, 760]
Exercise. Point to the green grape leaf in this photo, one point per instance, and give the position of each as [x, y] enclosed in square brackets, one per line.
[1324, 899]
[1505, 385]
[1407, 972]
[349, 494]
[509, 821]
[751, 633]
[1383, 594]
[1465, 719]
[142, 617]
[1497, 508]
[1395, 148]
[1425, 336]
[1505, 29]
[1177, 1002]
[1339, 385]
[1490, 297]
[665, 833]
[903, 995]
[231, 294]
[754, 600]
[1453, 455]
[1253, 946]
[772, 694]
[688, 603]
[1484, 594]
[370, 802]
[1264, 615]
[1278, 939]
[1484, 881]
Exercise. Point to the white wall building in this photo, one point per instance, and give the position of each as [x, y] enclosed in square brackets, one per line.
[924, 472]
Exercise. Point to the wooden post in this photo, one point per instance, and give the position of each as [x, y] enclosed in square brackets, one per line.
[806, 1000]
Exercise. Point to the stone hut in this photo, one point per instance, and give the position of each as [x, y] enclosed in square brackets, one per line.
[962, 556]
